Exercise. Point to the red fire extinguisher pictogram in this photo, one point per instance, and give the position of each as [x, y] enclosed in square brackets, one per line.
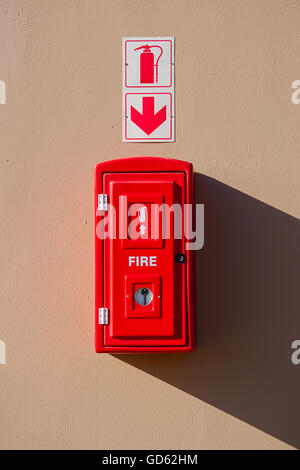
[147, 64]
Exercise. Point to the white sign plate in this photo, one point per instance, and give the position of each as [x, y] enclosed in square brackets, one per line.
[148, 89]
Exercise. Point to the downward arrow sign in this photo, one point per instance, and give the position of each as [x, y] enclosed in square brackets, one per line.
[148, 121]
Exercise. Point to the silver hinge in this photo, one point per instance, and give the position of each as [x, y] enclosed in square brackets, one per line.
[103, 316]
[102, 202]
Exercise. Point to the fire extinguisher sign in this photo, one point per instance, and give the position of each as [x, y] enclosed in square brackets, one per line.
[148, 89]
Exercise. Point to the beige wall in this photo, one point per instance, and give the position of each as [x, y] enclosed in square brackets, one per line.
[235, 61]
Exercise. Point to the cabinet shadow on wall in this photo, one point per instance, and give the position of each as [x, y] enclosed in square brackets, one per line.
[248, 314]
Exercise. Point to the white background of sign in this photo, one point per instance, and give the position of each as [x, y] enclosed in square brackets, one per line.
[161, 90]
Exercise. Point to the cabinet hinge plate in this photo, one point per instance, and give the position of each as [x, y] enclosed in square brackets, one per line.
[102, 202]
[103, 316]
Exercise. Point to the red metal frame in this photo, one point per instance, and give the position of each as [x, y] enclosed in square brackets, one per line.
[149, 165]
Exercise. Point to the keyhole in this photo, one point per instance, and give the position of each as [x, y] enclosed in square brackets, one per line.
[145, 293]
[143, 296]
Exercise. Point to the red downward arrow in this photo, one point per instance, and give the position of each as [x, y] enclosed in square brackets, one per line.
[148, 121]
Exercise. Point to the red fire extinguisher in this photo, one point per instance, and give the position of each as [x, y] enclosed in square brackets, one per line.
[147, 64]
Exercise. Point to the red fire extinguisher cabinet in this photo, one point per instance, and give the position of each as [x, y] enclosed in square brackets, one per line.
[144, 294]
